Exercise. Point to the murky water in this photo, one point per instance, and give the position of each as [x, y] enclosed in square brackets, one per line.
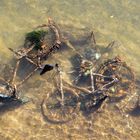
[110, 20]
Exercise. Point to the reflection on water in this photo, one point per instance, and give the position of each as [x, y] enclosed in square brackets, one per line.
[110, 20]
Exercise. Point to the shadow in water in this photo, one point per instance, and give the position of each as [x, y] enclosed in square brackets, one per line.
[91, 103]
[116, 99]
[136, 110]
[25, 68]
[85, 103]
[46, 118]
[9, 105]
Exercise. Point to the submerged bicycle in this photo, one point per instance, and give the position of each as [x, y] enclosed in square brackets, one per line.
[35, 51]
[107, 81]
[112, 79]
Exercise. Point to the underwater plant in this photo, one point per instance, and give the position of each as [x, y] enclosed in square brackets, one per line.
[36, 38]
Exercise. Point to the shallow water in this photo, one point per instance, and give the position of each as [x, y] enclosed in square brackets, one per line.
[110, 20]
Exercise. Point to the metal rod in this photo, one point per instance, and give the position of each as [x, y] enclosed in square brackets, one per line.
[28, 59]
[92, 80]
[15, 72]
[24, 53]
[113, 81]
[96, 74]
[27, 77]
[78, 88]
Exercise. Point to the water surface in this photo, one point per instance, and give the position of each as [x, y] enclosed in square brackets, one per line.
[110, 20]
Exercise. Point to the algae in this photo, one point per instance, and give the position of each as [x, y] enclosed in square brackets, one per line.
[36, 37]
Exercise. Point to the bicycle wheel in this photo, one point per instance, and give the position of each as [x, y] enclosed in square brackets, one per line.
[117, 69]
[56, 111]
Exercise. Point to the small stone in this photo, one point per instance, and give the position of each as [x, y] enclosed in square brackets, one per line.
[111, 16]
[97, 56]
